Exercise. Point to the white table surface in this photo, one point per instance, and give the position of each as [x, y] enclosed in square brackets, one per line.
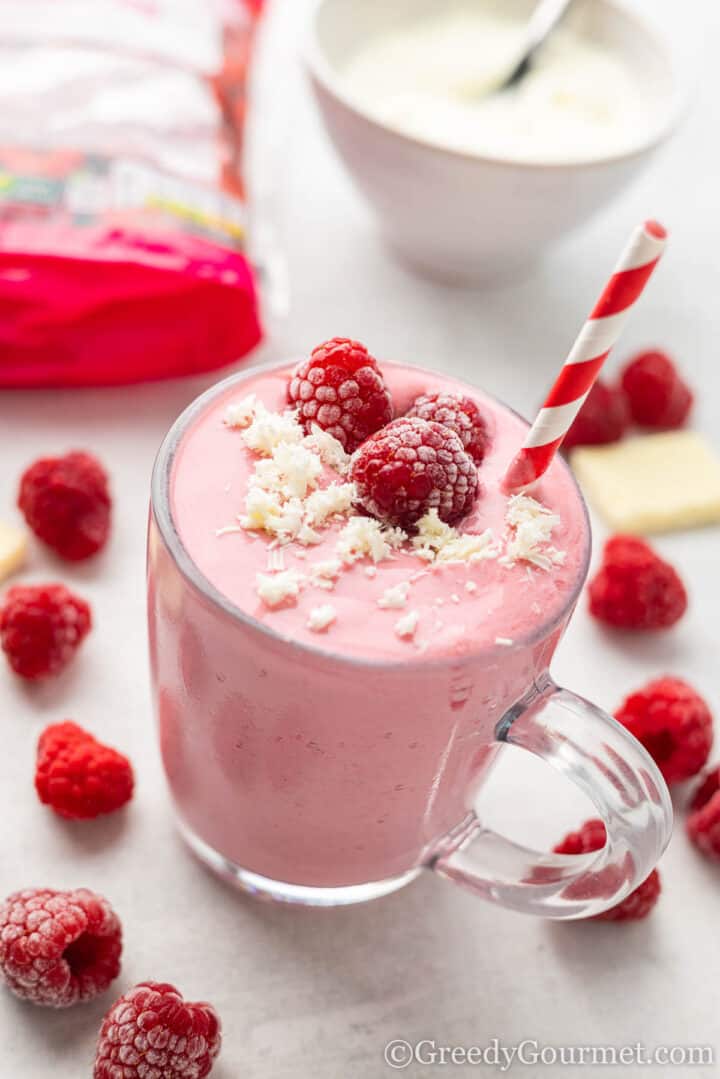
[319, 994]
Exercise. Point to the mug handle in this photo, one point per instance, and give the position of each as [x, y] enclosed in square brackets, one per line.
[613, 769]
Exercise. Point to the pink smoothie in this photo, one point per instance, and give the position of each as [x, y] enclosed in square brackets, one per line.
[339, 757]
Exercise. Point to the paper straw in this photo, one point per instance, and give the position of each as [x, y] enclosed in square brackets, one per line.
[587, 355]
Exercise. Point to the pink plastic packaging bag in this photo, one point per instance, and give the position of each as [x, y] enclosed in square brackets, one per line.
[122, 214]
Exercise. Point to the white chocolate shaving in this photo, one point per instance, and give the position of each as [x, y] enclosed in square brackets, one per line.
[321, 617]
[530, 528]
[396, 596]
[329, 448]
[406, 626]
[276, 589]
[364, 537]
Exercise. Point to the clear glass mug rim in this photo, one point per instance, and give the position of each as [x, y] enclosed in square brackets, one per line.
[162, 513]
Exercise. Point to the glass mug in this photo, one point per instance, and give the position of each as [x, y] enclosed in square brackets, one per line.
[291, 777]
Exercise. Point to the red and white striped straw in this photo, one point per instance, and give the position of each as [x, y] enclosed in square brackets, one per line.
[587, 355]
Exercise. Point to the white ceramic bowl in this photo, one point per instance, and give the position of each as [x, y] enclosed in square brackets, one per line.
[460, 216]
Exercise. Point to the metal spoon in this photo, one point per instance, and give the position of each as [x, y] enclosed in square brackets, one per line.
[543, 21]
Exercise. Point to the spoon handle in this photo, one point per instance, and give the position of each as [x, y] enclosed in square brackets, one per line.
[545, 17]
[543, 21]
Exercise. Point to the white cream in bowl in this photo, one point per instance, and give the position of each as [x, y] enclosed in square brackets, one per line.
[468, 189]
[581, 100]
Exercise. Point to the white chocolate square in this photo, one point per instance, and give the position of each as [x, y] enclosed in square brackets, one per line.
[13, 549]
[653, 483]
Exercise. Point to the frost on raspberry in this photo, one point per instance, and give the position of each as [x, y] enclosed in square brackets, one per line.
[461, 414]
[411, 467]
[58, 948]
[152, 1033]
[633, 907]
[66, 501]
[79, 777]
[41, 628]
[673, 723]
[342, 390]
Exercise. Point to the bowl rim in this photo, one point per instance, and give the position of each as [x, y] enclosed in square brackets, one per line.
[324, 75]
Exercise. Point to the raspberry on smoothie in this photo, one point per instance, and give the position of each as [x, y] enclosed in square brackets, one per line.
[461, 414]
[413, 466]
[342, 390]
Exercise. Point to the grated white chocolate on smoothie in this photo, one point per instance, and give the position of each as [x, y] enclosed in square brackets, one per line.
[395, 597]
[270, 429]
[265, 512]
[276, 589]
[276, 560]
[324, 574]
[406, 626]
[308, 536]
[321, 617]
[329, 448]
[283, 498]
[364, 537]
[291, 471]
[227, 530]
[241, 413]
[530, 528]
[437, 541]
[286, 500]
[329, 501]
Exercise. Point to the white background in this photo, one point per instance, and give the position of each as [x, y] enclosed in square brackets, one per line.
[318, 994]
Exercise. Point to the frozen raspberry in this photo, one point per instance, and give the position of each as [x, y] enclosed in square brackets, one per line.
[78, 776]
[41, 627]
[67, 504]
[674, 724]
[152, 1033]
[634, 588]
[460, 414]
[709, 786]
[703, 823]
[413, 466]
[58, 948]
[656, 394]
[603, 418]
[342, 390]
[633, 907]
